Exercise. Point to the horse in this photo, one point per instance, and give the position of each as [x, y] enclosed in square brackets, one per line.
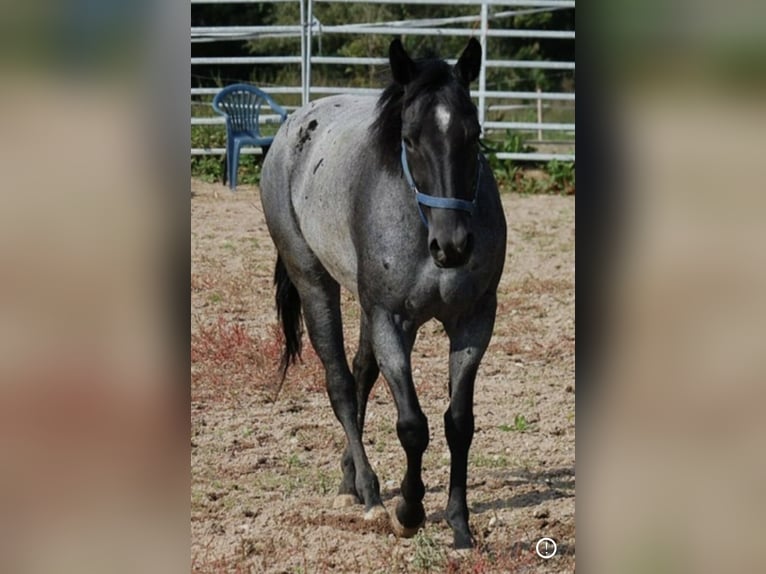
[391, 198]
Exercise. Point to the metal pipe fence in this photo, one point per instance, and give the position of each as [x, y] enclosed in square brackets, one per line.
[492, 104]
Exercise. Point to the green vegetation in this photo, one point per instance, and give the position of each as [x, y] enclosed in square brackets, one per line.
[562, 176]
[429, 554]
[485, 461]
[520, 424]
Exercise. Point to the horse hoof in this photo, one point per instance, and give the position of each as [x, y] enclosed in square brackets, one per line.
[402, 531]
[344, 501]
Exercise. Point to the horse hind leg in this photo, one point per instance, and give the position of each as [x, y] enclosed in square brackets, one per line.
[320, 295]
[365, 374]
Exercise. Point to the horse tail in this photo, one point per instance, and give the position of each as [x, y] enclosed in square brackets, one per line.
[289, 312]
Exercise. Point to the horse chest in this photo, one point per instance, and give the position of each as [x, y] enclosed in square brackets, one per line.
[443, 292]
[455, 289]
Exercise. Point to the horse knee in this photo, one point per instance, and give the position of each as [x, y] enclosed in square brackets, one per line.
[458, 428]
[413, 433]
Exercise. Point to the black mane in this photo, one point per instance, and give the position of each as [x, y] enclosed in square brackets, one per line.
[430, 76]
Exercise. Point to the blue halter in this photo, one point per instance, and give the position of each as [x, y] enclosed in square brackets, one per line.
[439, 202]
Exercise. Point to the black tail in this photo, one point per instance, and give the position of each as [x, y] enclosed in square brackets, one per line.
[289, 311]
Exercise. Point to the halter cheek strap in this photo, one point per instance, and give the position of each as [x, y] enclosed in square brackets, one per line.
[438, 202]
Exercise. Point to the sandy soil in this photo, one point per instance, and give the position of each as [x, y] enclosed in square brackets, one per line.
[265, 467]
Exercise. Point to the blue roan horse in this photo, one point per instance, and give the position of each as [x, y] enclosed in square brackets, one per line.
[391, 199]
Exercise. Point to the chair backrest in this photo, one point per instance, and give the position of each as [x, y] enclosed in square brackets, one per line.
[241, 104]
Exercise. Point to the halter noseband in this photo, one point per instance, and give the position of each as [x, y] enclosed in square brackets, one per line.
[439, 202]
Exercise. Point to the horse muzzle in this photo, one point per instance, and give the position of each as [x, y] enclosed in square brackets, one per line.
[454, 252]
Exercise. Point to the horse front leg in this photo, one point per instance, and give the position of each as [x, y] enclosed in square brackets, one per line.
[469, 339]
[392, 340]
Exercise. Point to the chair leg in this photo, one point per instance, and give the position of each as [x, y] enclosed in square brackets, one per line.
[230, 146]
[234, 165]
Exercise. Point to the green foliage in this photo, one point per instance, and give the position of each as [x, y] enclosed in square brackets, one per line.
[487, 461]
[428, 552]
[520, 424]
[562, 176]
[555, 177]
[505, 171]
[211, 168]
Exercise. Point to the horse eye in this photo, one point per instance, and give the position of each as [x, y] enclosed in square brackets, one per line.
[408, 142]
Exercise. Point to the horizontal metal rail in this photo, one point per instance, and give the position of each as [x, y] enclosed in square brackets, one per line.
[271, 90]
[329, 90]
[529, 126]
[247, 60]
[364, 61]
[239, 1]
[533, 64]
[535, 156]
[222, 150]
[200, 30]
[530, 3]
[363, 29]
[519, 3]
[543, 34]
[220, 120]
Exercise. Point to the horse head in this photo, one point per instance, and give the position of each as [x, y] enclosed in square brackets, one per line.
[440, 146]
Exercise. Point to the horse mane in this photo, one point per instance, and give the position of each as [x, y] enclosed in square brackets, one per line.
[431, 74]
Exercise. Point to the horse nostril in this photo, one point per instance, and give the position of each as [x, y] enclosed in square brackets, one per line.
[434, 247]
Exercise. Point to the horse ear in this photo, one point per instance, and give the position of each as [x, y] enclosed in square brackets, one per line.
[469, 63]
[402, 66]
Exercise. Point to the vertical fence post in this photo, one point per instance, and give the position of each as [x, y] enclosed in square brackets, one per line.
[539, 115]
[483, 70]
[304, 97]
[309, 29]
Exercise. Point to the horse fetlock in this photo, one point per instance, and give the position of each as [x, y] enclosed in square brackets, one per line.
[413, 490]
[348, 482]
[410, 517]
[368, 488]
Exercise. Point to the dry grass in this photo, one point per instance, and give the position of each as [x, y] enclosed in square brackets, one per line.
[228, 359]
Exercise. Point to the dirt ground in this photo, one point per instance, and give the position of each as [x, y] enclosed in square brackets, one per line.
[266, 466]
